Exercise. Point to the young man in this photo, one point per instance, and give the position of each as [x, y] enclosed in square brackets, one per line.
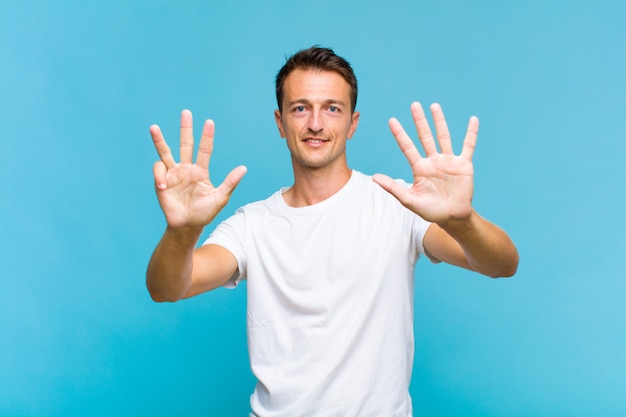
[329, 261]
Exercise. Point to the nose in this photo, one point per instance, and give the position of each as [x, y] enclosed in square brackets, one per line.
[316, 122]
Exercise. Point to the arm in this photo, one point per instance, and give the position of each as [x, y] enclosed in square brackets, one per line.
[190, 202]
[178, 270]
[474, 244]
[442, 193]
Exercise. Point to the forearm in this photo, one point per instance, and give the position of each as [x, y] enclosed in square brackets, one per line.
[169, 273]
[487, 248]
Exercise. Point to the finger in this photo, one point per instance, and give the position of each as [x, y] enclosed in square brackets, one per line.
[161, 146]
[404, 141]
[159, 170]
[392, 187]
[205, 149]
[186, 137]
[232, 180]
[441, 127]
[469, 144]
[423, 130]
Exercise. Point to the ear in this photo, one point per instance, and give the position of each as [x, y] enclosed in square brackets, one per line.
[353, 124]
[279, 123]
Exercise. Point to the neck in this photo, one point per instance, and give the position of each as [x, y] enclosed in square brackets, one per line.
[312, 186]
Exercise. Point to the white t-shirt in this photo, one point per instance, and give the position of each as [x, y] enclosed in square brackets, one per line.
[330, 301]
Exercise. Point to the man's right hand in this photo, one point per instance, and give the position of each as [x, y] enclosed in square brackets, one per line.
[185, 192]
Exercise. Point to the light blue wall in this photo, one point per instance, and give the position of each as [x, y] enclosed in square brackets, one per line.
[80, 83]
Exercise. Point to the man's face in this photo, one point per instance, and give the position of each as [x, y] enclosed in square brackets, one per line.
[316, 119]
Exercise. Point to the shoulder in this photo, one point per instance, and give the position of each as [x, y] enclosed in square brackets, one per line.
[234, 226]
[365, 184]
[254, 212]
[380, 196]
[271, 200]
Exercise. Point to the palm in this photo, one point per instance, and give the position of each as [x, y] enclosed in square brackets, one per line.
[442, 182]
[442, 188]
[189, 199]
[185, 192]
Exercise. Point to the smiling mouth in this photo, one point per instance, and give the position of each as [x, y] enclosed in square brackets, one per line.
[315, 140]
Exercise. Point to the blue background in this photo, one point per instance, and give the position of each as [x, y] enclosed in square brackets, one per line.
[81, 82]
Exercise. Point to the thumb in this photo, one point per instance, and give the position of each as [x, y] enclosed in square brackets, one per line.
[159, 170]
[384, 181]
[392, 187]
[232, 180]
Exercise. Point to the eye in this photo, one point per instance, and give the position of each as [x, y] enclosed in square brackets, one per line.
[333, 109]
[299, 109]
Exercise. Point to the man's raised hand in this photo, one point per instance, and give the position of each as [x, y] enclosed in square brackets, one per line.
[443, 183]
[185, 192]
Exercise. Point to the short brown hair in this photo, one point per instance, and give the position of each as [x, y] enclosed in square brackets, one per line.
[317, 58]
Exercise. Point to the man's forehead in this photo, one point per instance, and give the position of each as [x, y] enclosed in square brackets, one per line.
[316, 82]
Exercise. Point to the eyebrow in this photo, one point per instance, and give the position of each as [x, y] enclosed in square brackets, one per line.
[306, 101]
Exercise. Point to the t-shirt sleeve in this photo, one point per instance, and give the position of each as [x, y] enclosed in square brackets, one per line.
[229, 234]
[419, 225]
